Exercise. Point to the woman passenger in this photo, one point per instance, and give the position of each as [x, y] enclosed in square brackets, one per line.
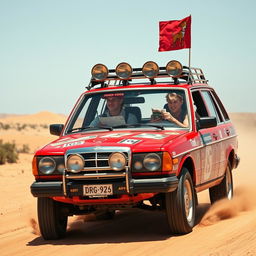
[174, 112]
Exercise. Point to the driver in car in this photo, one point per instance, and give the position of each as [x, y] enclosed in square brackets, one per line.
[115, 108]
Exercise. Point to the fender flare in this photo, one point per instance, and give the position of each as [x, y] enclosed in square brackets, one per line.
[181, 164]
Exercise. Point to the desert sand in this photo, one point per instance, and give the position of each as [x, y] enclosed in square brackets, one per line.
[227, 228]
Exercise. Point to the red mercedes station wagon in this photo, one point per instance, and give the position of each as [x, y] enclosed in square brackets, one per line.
[153, 134]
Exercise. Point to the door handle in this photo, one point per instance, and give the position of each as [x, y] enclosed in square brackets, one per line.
[228, 132]
[215, 136]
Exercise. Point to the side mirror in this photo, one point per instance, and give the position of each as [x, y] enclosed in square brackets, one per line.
[56, 129]
[206, 122]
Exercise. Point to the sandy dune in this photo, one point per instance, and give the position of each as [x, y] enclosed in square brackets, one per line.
[227, 228]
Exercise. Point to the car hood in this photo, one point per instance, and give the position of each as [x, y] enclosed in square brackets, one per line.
[138, 141]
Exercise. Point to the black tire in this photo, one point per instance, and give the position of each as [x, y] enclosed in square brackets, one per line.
[52, 222]
[224, 189]
[180, 205]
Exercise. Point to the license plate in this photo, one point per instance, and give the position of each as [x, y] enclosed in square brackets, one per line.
[98, 190]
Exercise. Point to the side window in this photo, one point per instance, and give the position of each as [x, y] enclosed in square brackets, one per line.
[223, 110]
[217, 107]
[201, 110]
[210, 105]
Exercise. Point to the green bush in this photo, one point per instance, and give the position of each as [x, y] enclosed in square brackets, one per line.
[8, 152]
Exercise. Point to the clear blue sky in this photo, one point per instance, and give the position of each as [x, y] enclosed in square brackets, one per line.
[48, 47]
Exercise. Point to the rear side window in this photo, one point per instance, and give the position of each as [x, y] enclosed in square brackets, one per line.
[222, 109]
[210, 106]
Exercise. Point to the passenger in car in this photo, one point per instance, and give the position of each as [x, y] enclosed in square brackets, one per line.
[115, 108]
[173, 111]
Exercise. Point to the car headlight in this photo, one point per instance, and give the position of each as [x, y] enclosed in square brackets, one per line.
[60, 168]
[47, 165]
[75, 163]
[152, 162]
[117, 161]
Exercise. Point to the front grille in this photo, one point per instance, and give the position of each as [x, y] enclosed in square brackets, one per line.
[97, 160]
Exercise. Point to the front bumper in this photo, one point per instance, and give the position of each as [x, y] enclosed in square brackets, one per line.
[75, 188]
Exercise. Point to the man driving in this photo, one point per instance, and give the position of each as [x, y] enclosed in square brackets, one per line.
[115, 108]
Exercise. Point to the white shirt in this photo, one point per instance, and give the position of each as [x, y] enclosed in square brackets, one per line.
[132, 119]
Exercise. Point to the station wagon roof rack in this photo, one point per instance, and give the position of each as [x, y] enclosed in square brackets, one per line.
[124, 74]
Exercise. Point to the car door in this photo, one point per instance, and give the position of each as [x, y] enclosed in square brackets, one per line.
[209, 136]
[217, 132]
[225, 130]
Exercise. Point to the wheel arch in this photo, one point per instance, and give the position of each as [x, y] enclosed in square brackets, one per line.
[188, 163]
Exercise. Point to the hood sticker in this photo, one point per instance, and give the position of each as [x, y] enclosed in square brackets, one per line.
[171, 133]
[73, 140]
[129, 141]
[73, 144]
[115, 135]
[151, 136]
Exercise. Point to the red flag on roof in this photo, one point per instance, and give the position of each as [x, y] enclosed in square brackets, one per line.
[174, 34]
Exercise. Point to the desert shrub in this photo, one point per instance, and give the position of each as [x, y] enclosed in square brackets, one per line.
[5, 126]
[44, 126]
[20, 127]
[25, 149]
[8, 152]
[33, 126]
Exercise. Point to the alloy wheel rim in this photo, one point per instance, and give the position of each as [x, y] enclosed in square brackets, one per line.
[229, 185]
[188, 200]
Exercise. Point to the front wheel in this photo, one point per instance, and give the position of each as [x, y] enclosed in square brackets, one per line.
[180, 205]
[52, 220]
[224, 189]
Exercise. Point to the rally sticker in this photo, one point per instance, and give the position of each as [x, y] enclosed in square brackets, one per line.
[207, 138]
[208, 163]
[73, 144]
[73, 140]
[129, 141]
[193, 142]
[115, 135]
[151, 136]
[172, 133]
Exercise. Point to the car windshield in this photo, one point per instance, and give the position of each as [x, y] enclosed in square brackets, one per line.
[161, 108]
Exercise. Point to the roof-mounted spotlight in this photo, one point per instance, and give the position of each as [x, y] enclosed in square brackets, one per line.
[150, 69]
[174, 68]
[123, 70]
[99, 72]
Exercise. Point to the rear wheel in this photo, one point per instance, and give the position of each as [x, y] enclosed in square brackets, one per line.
[52, 220]
[224, 189]
[180, 205]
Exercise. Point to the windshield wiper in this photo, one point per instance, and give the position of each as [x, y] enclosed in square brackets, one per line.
[89, 128]
[139, 125]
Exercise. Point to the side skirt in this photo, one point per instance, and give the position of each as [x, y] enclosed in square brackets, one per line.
[209, 184]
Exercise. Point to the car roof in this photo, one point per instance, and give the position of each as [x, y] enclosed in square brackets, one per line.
[136, 86]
